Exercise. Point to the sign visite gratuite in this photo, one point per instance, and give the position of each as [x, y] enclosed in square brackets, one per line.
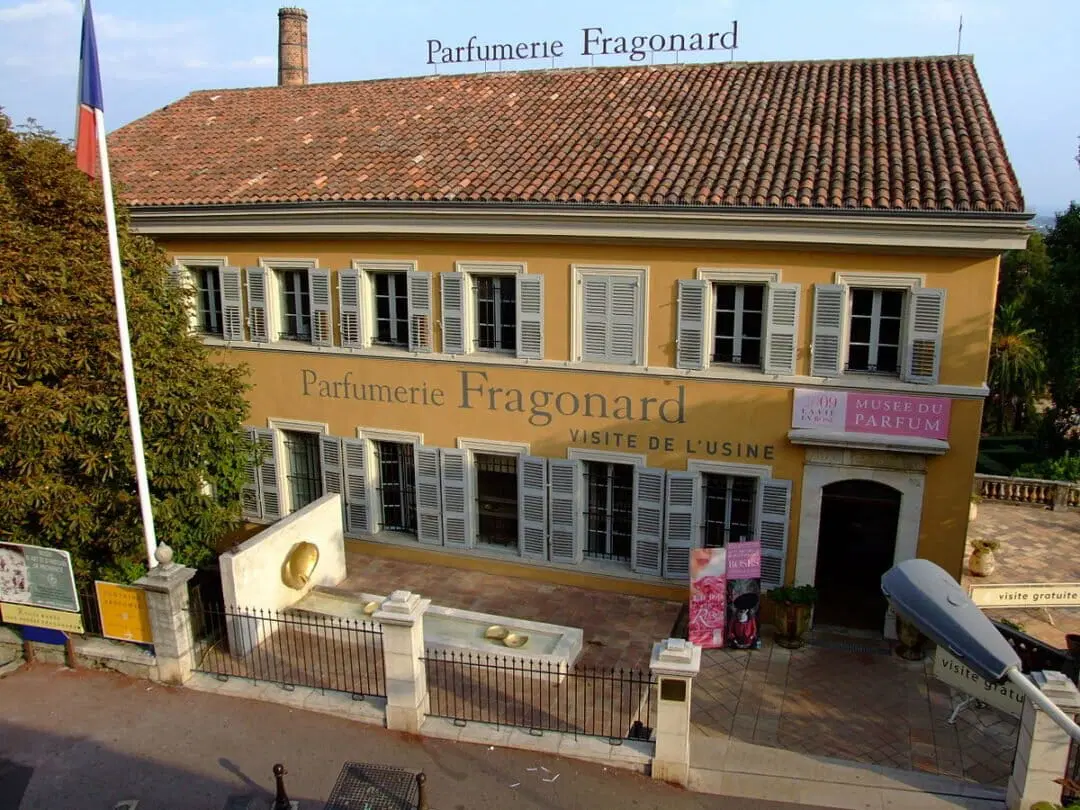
[1003, 696]
[1027, 594]
[593, 43]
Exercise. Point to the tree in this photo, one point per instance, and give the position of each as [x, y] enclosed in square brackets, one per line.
[66, 462]
[1022, 271]
[1056, 300]
[1017, 368]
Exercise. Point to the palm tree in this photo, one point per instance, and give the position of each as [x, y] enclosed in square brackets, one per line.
[1017, 366]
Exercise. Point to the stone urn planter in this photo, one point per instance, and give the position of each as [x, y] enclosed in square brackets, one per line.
[794, 605]
[910, 642]
[982, 562]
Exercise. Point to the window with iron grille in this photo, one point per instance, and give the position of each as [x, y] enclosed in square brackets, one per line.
[496, 313]
[609, 510]
[875, 328]
[738, 319]
[397, 486]
[496, 499]
[391, 309]
[303, 470]
[295, 305]
[729, 506]
[208, 300]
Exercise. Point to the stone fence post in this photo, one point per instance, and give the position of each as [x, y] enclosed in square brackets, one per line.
[675, 662]
[168, 604]
[402, 618]
[1042, 750]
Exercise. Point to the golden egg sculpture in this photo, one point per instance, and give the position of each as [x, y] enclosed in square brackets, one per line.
[300, 565]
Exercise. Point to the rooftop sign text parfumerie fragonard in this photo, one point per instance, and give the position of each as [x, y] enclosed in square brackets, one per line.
[594, 43]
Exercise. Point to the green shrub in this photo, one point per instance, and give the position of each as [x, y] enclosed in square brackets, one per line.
[1064, 468]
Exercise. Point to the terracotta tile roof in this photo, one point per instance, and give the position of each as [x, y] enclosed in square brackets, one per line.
[895, 134]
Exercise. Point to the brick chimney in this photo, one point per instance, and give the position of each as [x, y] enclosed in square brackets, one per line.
[292, 46]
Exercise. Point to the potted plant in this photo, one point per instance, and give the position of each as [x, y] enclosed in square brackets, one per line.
[982, 563]
[973, 507]
[794, 604]
[910, 642]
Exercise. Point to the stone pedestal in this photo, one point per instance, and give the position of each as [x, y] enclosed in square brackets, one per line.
[402, 618]
[1042, 749]
[168, 604]
[674, 662]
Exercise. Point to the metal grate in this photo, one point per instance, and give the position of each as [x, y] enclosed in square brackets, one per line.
[851, 645]
[729, 509]
[497, 499]
[373, 787]
[609, 510]
[303, 469]
[397, 486]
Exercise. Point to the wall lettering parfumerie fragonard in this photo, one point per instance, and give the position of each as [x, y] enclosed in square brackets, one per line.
[594, 43]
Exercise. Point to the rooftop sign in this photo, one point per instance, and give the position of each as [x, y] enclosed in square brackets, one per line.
[594, 42]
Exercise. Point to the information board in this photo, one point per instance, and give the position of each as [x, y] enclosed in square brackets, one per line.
[123, 611]
[41, 617]
[957, 674]
[37, 576]
[1027, 595]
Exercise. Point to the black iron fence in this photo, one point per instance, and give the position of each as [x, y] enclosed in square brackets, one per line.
[91, 613]
[291, 649]
[1070, 791]
[1038, 656]
[540, 696]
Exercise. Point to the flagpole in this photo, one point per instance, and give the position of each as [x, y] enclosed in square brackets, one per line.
[125, 345]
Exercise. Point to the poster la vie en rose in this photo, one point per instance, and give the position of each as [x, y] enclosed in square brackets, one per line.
[743, 570]
[708, 593]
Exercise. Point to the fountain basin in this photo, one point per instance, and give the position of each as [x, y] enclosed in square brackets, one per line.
[461, 632]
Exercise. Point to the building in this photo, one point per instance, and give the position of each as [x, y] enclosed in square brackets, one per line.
[571, 324]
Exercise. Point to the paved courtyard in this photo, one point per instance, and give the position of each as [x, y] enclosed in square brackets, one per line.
[1037, 545]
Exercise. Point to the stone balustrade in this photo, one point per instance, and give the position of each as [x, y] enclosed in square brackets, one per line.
[1033, 491]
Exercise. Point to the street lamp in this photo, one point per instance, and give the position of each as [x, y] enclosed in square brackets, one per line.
[925, 595]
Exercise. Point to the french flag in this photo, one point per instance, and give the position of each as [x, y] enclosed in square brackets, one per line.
[90, 103]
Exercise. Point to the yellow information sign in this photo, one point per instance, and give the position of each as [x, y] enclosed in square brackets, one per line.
[123, 611]
[41, 617]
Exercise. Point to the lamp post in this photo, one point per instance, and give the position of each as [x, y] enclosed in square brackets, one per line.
[925, 595]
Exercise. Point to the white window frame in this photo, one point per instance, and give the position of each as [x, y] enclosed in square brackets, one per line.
[577, 315]
[379, 435]
[762, 472]
[189, 264]
[367, 269]
[274, 316]
[906, 282]
[495, 448]
[736, 276]
[471, 325]
[279, 426]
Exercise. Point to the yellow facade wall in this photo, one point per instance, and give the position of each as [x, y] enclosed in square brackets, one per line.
[687, 417]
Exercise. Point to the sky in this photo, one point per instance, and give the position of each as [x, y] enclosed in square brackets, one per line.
[155, 51]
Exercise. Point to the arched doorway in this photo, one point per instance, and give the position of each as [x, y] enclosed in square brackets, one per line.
[856, 545]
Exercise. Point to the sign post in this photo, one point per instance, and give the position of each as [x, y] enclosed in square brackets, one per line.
[743, 594]
[708, 595]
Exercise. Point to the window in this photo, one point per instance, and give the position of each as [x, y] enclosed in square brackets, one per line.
[295, 305]
[391, 309]
[875, 328]
[302, 468]
[496, 499]
[208, 300]
[609, 510]
[496, 313]
[609, 315]
[729, 505]
[397, 485]
[739, 319]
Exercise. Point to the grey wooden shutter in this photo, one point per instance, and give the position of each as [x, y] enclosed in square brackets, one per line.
[428, 497]
[624, 334]
[691, 350]
[456, 498]
[250, 501]
[827, 342]
[530, 317]
[359, 516]
[782, 332]
[594, 319]
[926, 317]
[268, 486]
[420, 313]
[648, 531]
[232, 304]
[680, 524]
[258, 327]
[322, 311]
[532, 507]
[349, 308]
[773, 522]
[564, 510]
[331, 466]
[452, 286]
